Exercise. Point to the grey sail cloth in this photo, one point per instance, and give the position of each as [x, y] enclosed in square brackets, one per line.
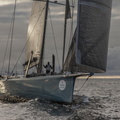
[69, 64]
[89, 51]
[35, 32]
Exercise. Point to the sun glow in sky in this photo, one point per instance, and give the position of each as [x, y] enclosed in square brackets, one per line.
[107, 77]
[102, 77]
[5, 3]
[8, 2]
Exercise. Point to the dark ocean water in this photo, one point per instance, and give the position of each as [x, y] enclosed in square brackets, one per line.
[103, 103]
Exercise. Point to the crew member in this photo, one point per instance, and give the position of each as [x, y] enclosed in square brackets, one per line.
[48, 67]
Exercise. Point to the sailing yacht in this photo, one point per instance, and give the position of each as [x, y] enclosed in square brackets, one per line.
[87, 53]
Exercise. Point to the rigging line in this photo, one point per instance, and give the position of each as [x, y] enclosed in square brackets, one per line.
[91, 74]
[54, 39]
[7, 43]
[64, 36]
[54, 2]
[71, 29]
[0, 39]
[83, 85]
[27, 41]
[71, 33]
[6, 46]
[39, 69]
[12, 36]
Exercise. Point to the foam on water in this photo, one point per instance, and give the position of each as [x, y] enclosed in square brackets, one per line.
[33, 110]
[103, 96]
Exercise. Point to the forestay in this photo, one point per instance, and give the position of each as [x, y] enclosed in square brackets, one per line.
[88, 51]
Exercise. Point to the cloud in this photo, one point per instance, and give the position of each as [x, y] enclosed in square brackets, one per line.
[8, 2]
[115, 25]
[20, 31]
[5, 2]
[115, 13]
[114, 59]
[21, 24]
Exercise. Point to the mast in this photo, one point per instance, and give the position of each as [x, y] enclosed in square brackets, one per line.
[67, 16]
[64, 38]
[53, 64]
[39, 69]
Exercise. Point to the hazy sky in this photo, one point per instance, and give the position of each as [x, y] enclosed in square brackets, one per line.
[21, 24]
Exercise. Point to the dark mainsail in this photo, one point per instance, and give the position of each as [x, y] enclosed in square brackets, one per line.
[35, 33]
[88, 51]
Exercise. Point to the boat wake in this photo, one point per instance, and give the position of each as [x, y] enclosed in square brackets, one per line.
[36, 109]
[98, 100]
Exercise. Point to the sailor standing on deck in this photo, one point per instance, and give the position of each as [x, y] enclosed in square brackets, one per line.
[48, 67]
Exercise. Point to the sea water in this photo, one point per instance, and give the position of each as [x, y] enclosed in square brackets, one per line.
[103, 103]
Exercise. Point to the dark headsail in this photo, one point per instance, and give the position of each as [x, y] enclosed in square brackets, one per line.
[90, 43]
